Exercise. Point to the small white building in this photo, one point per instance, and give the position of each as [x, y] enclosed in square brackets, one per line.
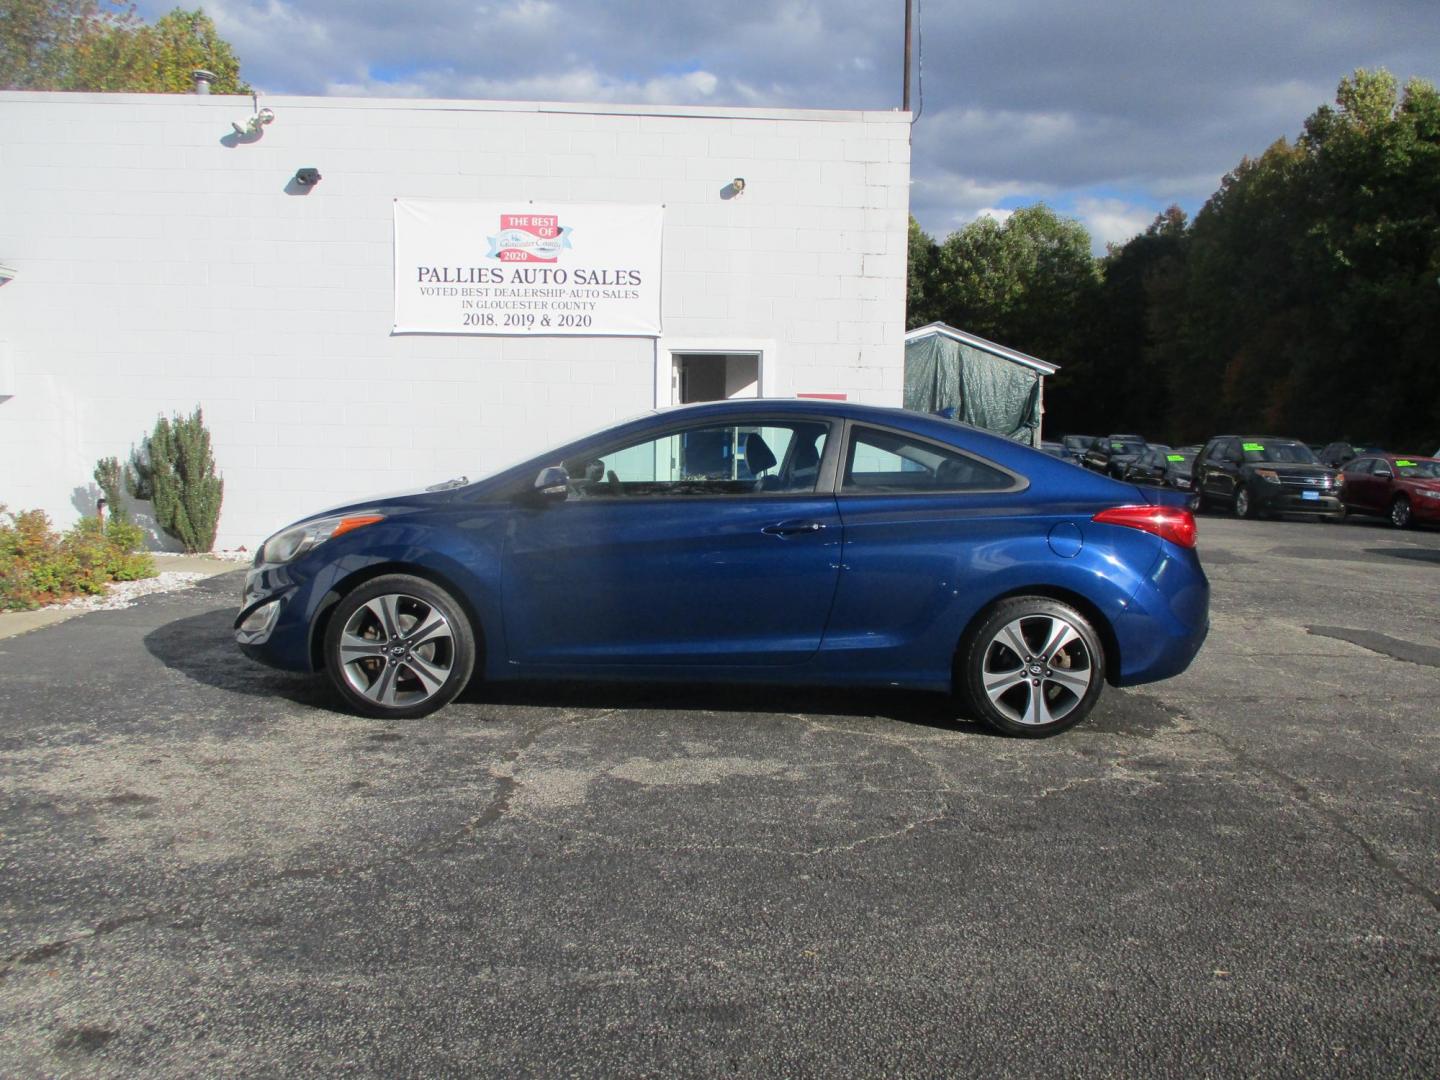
[451, 284]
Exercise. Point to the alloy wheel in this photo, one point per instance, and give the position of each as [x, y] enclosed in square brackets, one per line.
[1037, 669]
[1400, 513]
[397, 651]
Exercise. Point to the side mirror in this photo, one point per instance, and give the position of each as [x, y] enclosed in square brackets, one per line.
[553, 484]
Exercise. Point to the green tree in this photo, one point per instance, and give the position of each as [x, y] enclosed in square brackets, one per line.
[1120, 382]
[922, 255]
[102, 47]
[38, 38]
[1029, 283]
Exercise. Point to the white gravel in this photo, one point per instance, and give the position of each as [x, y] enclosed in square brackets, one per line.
[123, 594]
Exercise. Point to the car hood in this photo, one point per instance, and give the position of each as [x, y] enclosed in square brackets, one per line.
[1291, 468]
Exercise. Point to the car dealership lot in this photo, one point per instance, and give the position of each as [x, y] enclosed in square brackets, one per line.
[204, 868]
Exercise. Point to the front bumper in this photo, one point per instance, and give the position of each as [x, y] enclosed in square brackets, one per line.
[1423, 509]
[1279, 499]
[276, 613]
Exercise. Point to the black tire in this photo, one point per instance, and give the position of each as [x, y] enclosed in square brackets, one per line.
[399, 647]
[1003, 662]
[1245, 503]
[1401, 513]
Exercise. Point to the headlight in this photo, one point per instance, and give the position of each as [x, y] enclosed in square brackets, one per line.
[1424, 494]
[294, 542]
[1268, 475]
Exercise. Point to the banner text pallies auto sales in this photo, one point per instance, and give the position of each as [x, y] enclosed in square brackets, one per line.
[529, 275]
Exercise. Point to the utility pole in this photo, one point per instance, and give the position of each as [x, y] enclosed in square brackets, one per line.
[905, 98]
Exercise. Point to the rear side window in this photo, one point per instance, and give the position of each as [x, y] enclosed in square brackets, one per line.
[882, 462]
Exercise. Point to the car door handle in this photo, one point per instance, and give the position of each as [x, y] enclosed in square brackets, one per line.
[792, 528]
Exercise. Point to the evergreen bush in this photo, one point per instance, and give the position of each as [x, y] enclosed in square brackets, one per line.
[175, 470]
[110, 476]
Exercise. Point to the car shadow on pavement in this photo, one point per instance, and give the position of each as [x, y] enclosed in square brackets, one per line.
[202, 647]
[1416, 554]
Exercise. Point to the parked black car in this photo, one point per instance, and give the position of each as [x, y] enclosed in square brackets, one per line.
[1162, 466]
[1256, 474]
[1336, 454]
[1075, 447]
[1112, 453]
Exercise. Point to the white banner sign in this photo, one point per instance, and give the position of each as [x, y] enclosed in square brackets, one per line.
[526, 268]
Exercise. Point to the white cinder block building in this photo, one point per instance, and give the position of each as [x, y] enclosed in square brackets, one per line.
[155, 257]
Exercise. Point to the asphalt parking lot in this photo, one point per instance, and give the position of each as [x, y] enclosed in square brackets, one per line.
[205, 869]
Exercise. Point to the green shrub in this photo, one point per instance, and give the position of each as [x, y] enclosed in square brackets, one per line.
[175, 470]
[40, 566]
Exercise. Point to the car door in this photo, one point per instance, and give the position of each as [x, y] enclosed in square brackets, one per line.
[705, 545]
[1358, 484]
[1212, 471]
[1380, 484]
[922, 520]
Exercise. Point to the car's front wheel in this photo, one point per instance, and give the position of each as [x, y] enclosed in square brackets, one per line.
[1401, 513]
[399, 647]
[1244, 503]
[1033, 667]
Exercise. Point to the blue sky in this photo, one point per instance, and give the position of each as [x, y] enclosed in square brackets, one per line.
[1109, 111]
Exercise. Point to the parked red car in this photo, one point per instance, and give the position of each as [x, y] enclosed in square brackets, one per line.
[1404, 489]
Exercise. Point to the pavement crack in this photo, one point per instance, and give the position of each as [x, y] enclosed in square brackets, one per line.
[1302, 793]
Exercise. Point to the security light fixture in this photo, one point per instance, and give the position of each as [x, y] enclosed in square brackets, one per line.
[307, 177]
[6, 274]
[738, 184]
[256, 124]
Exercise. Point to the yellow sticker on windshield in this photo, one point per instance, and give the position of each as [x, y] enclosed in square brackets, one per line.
[1254, 446]
[1406, 464]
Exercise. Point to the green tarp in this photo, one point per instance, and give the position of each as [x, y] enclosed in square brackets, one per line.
[943, 375]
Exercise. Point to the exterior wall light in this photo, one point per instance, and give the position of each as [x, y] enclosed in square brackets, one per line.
[739, 185]
[7, 274]
[307, 177]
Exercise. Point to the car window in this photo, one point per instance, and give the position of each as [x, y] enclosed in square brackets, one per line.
[1278, 450]
[1417, 469]
[1359, 466]
[884, 461]
[720, 459]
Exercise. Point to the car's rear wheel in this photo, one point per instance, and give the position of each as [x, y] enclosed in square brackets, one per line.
[1033, 667]
[1401, 514]
[399, 647]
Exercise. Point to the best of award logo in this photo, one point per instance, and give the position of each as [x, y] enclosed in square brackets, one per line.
[529, 238]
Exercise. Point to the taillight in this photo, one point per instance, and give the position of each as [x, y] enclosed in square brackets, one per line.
[1167, 522]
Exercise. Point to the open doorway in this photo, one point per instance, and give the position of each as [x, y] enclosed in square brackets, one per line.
[714, 376]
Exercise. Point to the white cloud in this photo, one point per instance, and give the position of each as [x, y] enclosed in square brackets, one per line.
[993, 212]
[1112, 221]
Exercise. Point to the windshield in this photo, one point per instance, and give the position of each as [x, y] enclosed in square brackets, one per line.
[1125, 446]
[1282, 450]
[1417, 468]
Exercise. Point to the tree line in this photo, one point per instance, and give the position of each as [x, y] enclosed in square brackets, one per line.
[100, 46]
[1302, 300]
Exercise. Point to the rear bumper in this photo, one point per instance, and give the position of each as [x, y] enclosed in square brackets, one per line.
[1166, 621]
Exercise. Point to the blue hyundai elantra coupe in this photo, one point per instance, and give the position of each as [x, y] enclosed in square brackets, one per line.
[764, 541]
